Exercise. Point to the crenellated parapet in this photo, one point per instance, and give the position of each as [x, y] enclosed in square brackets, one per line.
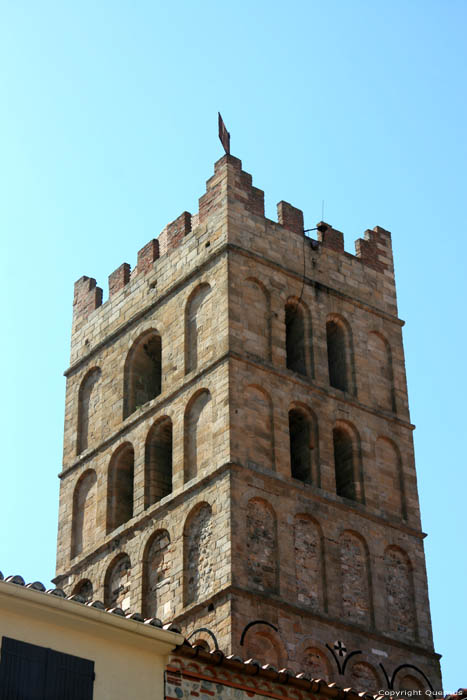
[230, 193]
[290, 217]
[87, 297]
[375, 249]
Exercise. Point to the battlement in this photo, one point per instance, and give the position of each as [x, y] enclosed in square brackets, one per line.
[230, 191]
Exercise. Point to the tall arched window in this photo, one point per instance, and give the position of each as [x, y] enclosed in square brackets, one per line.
[391, 494]
[256, 318]
[295, 337]
[157, 598]
[258, 429]
[339, 354]
[400, 597]
[143, 372]
[345, 464]
[83, 529]
[357, 604]
[198, 554]
[198, 434]
[309, 562]
[380, 372]
[120, 487]
[117, 583]
[158, 462]
[198, 331]
[261, 546]
[302, 445]
[87, 410]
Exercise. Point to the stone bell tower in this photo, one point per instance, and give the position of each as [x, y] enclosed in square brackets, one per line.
[238, 454]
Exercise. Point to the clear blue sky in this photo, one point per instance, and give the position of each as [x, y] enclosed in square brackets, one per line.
[108, 131]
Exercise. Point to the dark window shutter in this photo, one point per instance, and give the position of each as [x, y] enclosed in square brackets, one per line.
[68, 677]
[30, 672]
[22, 671]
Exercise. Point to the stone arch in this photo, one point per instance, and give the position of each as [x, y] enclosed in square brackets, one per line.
[304, 444]
[198, 554]
[315, 662]
[158, 462]
[340, 353]
[263, 644]
[83, 529]
[88, 407]
[202, 643]
[390, 477]
[357, 605]
[198, 327]
[84, 589]
[257, 319]
[347, 461]
[410, 680]
[362, 676]
[258, 426]
[381, 372]
[117, 583]
[400, 598]
[298, 347]
[198, 434]
[261, 546]
[142, 380]
[156, 576]
[204, 637]
[309, 562]
[120, 486]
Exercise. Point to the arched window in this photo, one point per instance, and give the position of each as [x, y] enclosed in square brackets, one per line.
[400, 598]
[157, 598]
[390, 483]
[143, 372]
[198, 331]
[345, 464]
[258, 429]
[380, 372]
[84, 589]
[202, 643]
[83, 529]
[87, 410]
[158, 462]
[339, 354]
[256, 318]
[117, 583]
[355, 579]
[364, 677]
[295, 337]
[315, 663]
[410, 682]
[120, 487]
[309, 562]
[264, 645]
[301, 445]
[198, 554]
[198, 434]
[261, 546]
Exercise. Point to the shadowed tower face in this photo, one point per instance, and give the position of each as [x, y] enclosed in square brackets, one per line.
[238, 452]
